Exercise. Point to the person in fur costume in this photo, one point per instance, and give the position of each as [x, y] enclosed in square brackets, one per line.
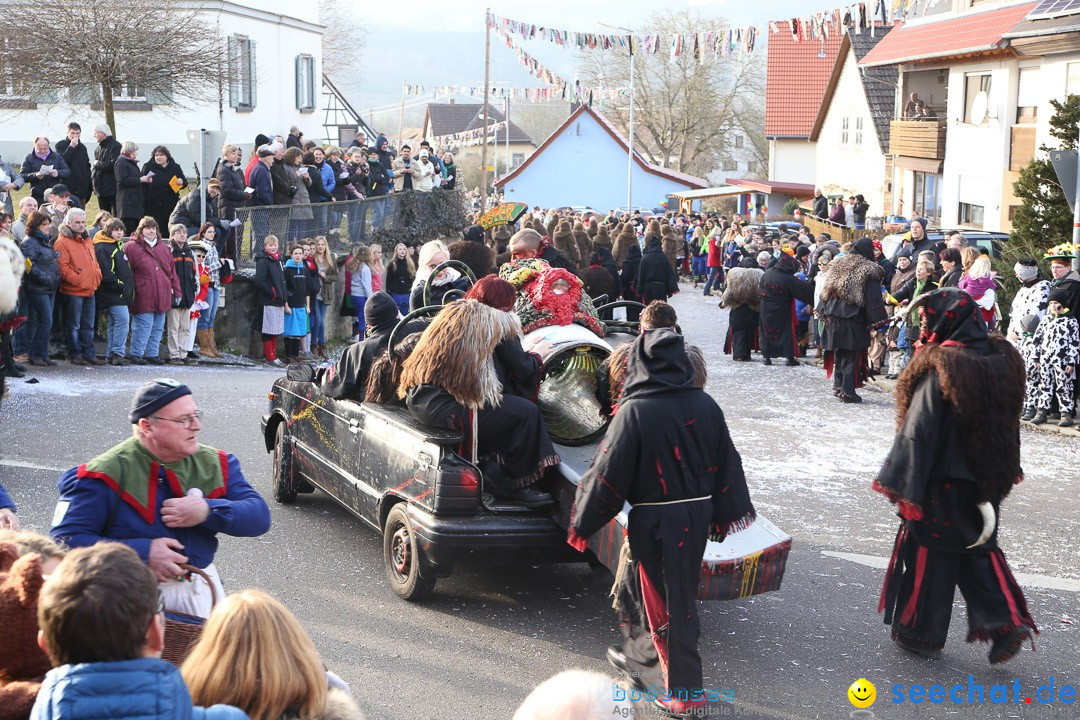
[672, 245]
[584, 245]
[955, 458]
[743, 297]
[1057, 343]
[851, 305]
[780, 289]
[623, 241]
[602, 239]
[669, 454]
[564, 242]
[479, 257]
[450, 380]
[22, 663]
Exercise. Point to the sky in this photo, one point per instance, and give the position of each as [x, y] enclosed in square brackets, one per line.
[437, 42]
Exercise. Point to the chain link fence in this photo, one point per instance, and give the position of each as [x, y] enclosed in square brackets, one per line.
[409, 217]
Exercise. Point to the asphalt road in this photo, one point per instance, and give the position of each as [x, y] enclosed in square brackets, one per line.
[490, 634]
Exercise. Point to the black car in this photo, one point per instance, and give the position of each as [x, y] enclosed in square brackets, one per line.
[991, 241]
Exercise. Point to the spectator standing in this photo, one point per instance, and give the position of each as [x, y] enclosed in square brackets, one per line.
[40, 284]
[859, 210]
[378, 177]
[821, 205]
[340, 193]
[27, 206]
[297, 283]
[262, 195]
[166, 181]
[156, 287]
[424, 173]
[12, 269]
[43, 168]
[80, 277]
[301, 178]
[179, 315]
[103, 175]
[378, 270]
[255, 655]
[117, 289]
[838, 216]
[714, 260]
[57, 207]
[359, 267]
[103, 627]
[234, 195]
[73, 151]
[449, 172]
[327, 269]
[398, 278]
[130, 187]
[9, 182]
[952, 270]
[321, 190]
[216, 271]
[270, 281]
[295, 138]
[260, 140]
[404, 170]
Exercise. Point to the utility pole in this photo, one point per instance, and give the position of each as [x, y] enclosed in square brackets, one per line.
[401, 117]
[487, 93]
[506, 132]
[1076, 217]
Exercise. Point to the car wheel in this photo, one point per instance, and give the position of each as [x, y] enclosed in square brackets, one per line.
[404, 558]
[284, 489]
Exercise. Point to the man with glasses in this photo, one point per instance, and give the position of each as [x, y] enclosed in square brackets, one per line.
[163, 494]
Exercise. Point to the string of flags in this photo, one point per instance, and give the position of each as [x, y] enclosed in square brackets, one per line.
[567, 91]
[535, 94]
[473, 137]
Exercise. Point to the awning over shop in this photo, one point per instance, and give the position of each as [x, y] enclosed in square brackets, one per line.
[920, 164]
[706, 193]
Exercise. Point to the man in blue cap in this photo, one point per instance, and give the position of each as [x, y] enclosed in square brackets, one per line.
[163, 494]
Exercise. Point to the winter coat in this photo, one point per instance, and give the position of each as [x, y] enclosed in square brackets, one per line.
[80, 275]
[32, 163]
[44, 273]
[103, 173]
[838, 215]
[384, 154]
[160, 197]
[130, 198]
[450, 176]
[184, 264]
[294, 141]
[117, 284]
[378, 179]
[628, 274]
[337, 167]
[821, 207]
[328, 281]
[715, 257]
[859, 211]
[188, 211]
[79, 181]
[263, 183]
[298, 284]
[424, 179]
[6, 170]
[301, 197]
[319, 192]
[270, 280]
[656, 278]
[284, 188]
[155, 278]
[397, 278]
[233, 196]
[141, 689]
[329, 177]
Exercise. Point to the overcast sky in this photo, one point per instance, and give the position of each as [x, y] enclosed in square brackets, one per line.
[441, 42]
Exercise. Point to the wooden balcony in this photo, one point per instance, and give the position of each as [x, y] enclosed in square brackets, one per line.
[918, 139]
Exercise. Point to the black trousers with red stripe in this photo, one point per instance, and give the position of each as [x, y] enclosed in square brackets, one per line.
[920, 584]
[658, 594]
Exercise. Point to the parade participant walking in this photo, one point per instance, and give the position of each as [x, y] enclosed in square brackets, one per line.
[955, 458]
[1031, 299]
[656, 279]
[668, 453]
[1057, 355]
[779, 291]
[743, 298]
[851, 303]
[163, 494]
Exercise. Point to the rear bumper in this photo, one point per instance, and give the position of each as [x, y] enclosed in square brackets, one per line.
[495, 539]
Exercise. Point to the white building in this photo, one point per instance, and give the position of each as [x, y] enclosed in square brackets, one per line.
[988, 69]
[274, 82]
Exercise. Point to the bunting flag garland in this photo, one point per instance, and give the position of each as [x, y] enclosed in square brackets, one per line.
[474, 136]
[533, 94]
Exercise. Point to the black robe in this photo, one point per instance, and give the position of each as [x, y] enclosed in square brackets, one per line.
[779, 291]
[519, 372]
[742, 336]
[656, 279]
[668, 442]
[628, 280]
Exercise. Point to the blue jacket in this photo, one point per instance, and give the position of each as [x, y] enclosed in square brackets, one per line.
[44, 274]
[5, 499]
[263, 185]
[329, 180]
[31, 164]
[84, 520]
[143, 689]
[802, 309]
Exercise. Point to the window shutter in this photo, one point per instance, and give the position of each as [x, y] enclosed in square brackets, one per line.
[311, 83]
[1028, 90]
[234, 72]
[253, 72]
[299, 82]
[1072, 79]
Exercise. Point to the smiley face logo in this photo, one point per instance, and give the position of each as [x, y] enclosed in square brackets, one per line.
[862, 693]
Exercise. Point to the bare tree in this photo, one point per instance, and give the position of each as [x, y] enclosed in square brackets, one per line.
[155, 49]
[343, 43]
[684, 110]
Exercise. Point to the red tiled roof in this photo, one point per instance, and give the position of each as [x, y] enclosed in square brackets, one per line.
[978, 33]
[690, 180]
[795, 82]
[768, 187]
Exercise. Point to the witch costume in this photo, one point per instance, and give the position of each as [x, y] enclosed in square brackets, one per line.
[779, 291]
[668, 453]
[743, 296]
[955, 457]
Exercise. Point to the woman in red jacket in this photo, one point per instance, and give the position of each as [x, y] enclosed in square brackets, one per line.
[156, 288]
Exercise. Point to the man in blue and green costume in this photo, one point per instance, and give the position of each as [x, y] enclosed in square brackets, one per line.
[165, 495]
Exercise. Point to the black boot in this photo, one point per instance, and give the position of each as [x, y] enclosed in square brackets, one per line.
[1040, 418]
[767, 360]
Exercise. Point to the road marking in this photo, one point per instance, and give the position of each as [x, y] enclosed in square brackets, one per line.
[29, 465]
[1047, 582]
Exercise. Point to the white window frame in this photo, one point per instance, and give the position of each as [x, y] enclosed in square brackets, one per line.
[243, 79]
[845, 134]
[985, 80]
[126, 93]
[738, 141]
[516, 160]
[858, 131]
[305, 83]
[1072, 78]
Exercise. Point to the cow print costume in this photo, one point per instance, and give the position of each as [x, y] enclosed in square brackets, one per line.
[1057, 342]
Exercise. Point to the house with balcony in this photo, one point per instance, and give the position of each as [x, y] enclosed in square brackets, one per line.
[987, 70]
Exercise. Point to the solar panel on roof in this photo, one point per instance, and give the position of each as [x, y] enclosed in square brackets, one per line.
[1054, 8]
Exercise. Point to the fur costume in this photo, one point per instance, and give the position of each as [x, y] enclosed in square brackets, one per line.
[502, 238]
[22, 663]
[479, 257]
[847, 278]
[594, 226]
[12, 267]
[602, 239]
[598, 282]
[623, 241]
[456, 353]
[584, 245]
[653, 229]
[669, 241]
[385, 375]
[564, 242]
[743, 288]
[550, 227]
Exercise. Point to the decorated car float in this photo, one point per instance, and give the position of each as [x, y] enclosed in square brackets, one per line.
[422, 490]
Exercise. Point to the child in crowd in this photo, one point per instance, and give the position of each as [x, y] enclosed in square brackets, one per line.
[271, 284]
[399, 277]
[1058, 341]
[359, 267]
[377, 269]
[313, 292]
[179, 316]
[298, 283]
[1029, 351]
[199, 251]
[327, 271]
[218, 272]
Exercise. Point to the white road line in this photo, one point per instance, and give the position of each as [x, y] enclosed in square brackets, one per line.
[4, 462]
[1047, 582]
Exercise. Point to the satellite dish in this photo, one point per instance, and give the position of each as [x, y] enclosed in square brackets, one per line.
[979, 107]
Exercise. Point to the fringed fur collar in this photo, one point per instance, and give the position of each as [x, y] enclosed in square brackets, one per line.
[847, 278]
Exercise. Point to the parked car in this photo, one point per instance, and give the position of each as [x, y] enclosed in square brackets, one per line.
[991, 241]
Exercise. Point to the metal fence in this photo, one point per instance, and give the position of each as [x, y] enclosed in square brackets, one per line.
[398, 217]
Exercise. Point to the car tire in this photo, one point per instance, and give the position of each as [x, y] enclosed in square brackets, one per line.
[284, 488]
[404, 558]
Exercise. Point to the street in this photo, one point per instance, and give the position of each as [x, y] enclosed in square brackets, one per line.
[489, 635]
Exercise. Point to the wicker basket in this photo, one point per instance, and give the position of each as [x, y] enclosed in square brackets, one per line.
[181, 636]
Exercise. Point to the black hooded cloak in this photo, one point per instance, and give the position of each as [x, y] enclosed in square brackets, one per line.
[779, 291]
[656, 279]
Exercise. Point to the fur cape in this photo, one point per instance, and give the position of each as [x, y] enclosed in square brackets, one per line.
[22, 663]
[602, 239]
[479, 257]
[584, 245]
[669, 241]
[457, 351]
[987, 394]
[743, 288]
[385, 374]
[564, 242]
[594, 226]
[623, 241]
[12, 267]
[549, 229]
[847, 278]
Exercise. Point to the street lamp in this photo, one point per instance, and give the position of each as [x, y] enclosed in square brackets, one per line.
[630, 141]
